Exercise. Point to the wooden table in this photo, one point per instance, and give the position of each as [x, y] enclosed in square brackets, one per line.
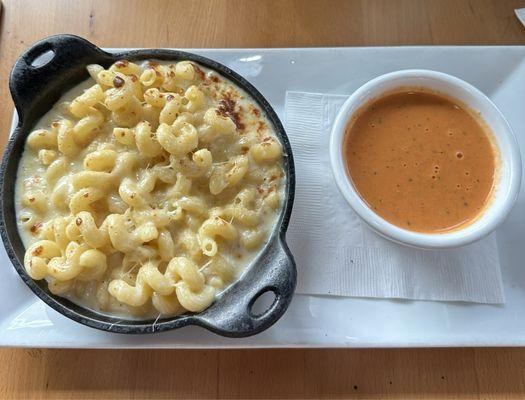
[430, 373]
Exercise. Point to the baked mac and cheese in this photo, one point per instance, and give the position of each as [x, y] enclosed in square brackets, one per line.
[147, 189]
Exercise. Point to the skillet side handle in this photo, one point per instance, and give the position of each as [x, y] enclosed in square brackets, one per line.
[62, 57]
[276, 272]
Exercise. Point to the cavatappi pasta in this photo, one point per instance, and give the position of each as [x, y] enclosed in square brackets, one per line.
[147, 189]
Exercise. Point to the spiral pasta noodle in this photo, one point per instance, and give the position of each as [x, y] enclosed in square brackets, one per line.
[149, 191]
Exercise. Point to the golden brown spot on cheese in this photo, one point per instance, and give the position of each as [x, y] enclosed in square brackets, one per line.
[36, 227]
[122, 63]
[227, 109]
[38, 251]
[118, 82]
[199, 71]
[261, 126]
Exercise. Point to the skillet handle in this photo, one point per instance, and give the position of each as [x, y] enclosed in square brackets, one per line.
[275, 272]
[64, 58]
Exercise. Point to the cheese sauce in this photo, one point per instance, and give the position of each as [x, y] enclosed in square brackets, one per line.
[264, 180]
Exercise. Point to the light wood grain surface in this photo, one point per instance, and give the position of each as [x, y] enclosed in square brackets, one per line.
[400, 374]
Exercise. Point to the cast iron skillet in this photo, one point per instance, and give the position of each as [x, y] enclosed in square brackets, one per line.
[36, 89]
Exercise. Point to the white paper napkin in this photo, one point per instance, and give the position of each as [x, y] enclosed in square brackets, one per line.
[339, 255]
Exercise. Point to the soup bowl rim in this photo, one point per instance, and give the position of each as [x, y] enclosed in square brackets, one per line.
[507, 184]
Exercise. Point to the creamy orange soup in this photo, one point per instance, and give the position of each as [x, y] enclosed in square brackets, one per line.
[421, 161]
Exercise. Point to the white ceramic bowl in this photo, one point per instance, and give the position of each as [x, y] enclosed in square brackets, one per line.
[508, 181]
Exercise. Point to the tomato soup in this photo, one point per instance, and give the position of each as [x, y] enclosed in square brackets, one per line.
[421, 161]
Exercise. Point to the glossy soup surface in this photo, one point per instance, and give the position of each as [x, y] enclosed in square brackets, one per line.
[421, 161]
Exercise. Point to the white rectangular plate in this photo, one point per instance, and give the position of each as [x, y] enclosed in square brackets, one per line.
[327, 321]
